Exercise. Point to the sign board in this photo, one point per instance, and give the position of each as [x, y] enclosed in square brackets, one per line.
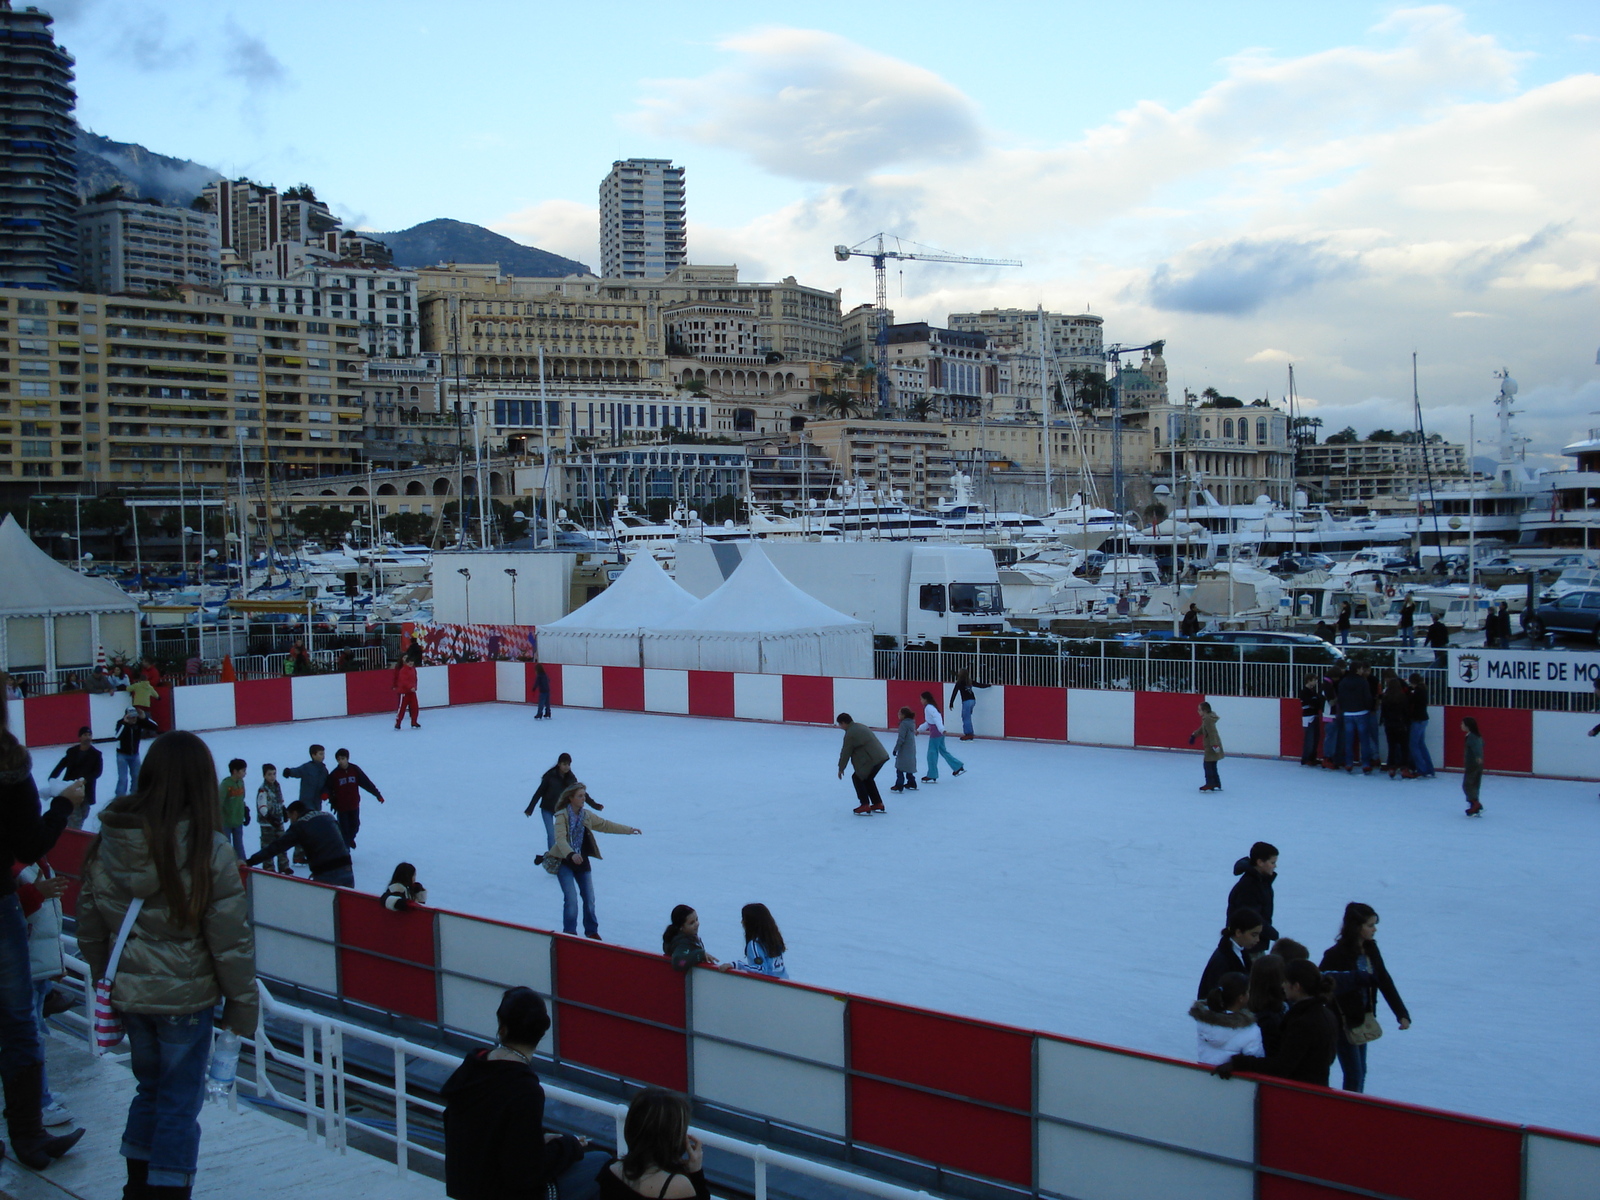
[1524, 670]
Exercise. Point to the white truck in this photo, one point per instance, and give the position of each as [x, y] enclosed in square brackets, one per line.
[906, 590]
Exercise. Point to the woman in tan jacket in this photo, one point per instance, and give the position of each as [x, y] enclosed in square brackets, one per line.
[568, 860]
[191, 947]
[1213, 746]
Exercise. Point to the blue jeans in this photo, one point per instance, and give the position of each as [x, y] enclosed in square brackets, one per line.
[578, 1181]
[170, 1055]
[1362, 726]
[1369, 737]
[127, 772]
[935, 750]
[966, 715]
[1353, 1062]
[1421, 760]
[572, 884]
[1344, 637]
[549, 828]
[19, 1030]
[337, 877]
[236, 836]
[1408, 636]
[41, 989]
[542, 704]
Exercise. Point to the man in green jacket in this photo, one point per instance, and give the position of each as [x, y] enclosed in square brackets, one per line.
[865, 754]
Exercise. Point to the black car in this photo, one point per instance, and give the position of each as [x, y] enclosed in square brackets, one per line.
[1574, 612]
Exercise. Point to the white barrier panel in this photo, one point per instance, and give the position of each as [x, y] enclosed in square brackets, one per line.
[104, 713]
[1560, 746]
[318, 696]
[1559, 1169]
[470, 1006]
[1092, 1166]
[666, 691]
[1101, 718]
[297, 960]
[989, 717]
[17, 719]
[582, 687]
[1249, 725]
[292, 905]
[1124, 1093]
[433, 687]
[867, 700]
[767, 1015]
[758, 697]
[511, 682]
[203, 706]
[779, 1088]
[500, 954]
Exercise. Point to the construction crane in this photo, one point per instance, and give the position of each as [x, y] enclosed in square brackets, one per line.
[880, 254]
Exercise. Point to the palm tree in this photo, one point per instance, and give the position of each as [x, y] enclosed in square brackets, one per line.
[921, 408]
[841, 404]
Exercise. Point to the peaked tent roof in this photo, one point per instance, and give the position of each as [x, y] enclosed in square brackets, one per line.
[32, 583]
[642, 596]
[758, 598]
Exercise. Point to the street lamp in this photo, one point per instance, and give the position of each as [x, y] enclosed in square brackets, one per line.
[512, 571]
[467, 575]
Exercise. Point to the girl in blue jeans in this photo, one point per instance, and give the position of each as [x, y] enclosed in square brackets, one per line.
[192, 947]
[569, 859]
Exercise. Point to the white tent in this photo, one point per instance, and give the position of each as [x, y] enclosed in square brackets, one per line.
[605, 631]
[760, 623]
[51, 617]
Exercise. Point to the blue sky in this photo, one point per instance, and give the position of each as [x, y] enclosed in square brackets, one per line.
[1335, 185]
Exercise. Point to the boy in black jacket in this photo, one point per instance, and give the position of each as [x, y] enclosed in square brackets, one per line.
[84, 762]
[1257, 872]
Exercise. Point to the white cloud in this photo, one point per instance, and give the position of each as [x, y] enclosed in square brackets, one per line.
[813, 105]
[562, 227]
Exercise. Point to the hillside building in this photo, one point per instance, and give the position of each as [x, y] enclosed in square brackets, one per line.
[144, 246]
[38, 178]
[643, 226]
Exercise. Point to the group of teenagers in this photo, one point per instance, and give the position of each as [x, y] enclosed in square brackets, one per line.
[1342, 711]
[1263, 1006]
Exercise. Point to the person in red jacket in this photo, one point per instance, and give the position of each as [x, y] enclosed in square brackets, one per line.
[345, 784]
[405, 683]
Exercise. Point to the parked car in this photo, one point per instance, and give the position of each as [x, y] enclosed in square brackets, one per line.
[1572, 560]
[1574, 612]
[1299, 564]
[1268, 645]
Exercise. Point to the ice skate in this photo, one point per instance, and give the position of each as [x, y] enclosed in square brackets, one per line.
[878, 808]
[958, 771]
[861, 809]
[929, 779]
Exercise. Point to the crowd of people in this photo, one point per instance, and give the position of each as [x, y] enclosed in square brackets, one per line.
[1263, 1007]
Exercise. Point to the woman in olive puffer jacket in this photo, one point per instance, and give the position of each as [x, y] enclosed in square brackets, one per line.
[191, 947]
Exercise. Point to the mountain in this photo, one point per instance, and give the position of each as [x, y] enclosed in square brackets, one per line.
[444, 240]
[103, 163]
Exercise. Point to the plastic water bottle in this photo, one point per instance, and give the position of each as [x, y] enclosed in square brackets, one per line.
[224, 1065]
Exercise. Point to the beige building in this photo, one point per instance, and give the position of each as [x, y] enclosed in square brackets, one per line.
[145, 246]
[99, 392]
[908, 457]
[1358, 472]
[1235, 453]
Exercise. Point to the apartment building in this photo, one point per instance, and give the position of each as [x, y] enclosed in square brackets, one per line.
[38, 177]
[307, 281]
[858, 333]
[1235, 453]
[788, 469]
[725, 334]
[100, 392]
[1359, 472]
[687, 475]
[404, 422]
[1072, 341]
[643, 226]
[146, 246]
[940, 372]
[912, 458]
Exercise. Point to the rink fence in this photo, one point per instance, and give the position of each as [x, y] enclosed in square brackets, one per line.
[950, 1103]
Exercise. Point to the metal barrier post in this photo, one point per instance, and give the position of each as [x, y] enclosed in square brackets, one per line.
[761, 1179]
[400, 1124]
[308, 1056]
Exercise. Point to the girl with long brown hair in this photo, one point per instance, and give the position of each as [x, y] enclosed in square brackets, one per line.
[663, 1159]
[192, 946]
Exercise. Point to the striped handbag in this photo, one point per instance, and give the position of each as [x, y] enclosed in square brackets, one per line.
[106, 1028]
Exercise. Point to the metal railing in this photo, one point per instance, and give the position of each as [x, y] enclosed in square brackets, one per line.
[1210, 669]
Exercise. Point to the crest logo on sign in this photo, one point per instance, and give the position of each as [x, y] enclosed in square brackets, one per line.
[1467, 667]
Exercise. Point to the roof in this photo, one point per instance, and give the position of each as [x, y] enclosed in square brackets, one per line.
[757, 598]
[33, 584]
[642, 596]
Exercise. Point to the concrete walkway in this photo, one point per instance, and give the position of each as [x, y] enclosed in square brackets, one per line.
[243, 1153]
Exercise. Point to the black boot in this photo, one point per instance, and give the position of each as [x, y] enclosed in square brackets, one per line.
[33, 1146]
[168, 1193]
[138, 1173]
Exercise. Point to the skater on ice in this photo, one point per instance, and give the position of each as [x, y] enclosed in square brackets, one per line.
[235, 812]
[82, 762]
[1308, 1037]
[345, 785]
[316, 834]
[1211, 741]
[541, 692]
[1266, 999]
[680, 941]
[1472, 765]
[905, 753]
[1417, 730]
[271, 815]
[1223, 1022]
[1357, 950]
[569, 859]
[963, 691]
[933, 725]
[405, 686]
[1257, 872]
[551, 784]
[313, 777]
[864, 754]
[1239, 937]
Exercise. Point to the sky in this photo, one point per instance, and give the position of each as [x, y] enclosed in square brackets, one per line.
[1333, 186]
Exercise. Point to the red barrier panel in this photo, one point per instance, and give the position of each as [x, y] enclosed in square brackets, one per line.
[628, 982]
[969, 1058]
[622, 688]
[263, 701]
[1166, 719]
[1291, 733]
[471, 683]
[1036, 712]
[369, 692]
[711, 693]
[907, 693]
[808, 700]
[365, 924]
[55, 720]
[1410, 1153]
[393, 986]
[963, 1136]
[66, 858]
[1507, 737]
[160, 710]
[553, 673]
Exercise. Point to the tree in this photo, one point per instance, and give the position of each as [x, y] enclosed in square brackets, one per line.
[1215, 399]
[1303, 430]
[302, 191]
[1382, 435]
[841, 404]
[408, 527]
[921, 408]
[1345, 437]
[323, 522]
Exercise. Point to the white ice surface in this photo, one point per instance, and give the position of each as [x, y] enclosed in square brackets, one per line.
[1061, 888]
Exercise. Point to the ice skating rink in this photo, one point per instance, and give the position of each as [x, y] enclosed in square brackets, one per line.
[1057, 887]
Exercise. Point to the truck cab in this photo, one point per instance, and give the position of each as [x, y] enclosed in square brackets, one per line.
[953, 590]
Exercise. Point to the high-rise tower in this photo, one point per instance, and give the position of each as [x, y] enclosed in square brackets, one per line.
[643, 230]
[38, 181]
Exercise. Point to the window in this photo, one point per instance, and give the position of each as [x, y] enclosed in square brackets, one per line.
[931, 598]
[975, 597]
[1261, 431]
[1227, 430]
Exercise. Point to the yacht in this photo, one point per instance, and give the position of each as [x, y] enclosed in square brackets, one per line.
[1087, 527]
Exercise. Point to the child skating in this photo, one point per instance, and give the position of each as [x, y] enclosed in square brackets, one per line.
[933, 723]
[270, 815]
[905, 753]
[1472, 778]
[1213, 746]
